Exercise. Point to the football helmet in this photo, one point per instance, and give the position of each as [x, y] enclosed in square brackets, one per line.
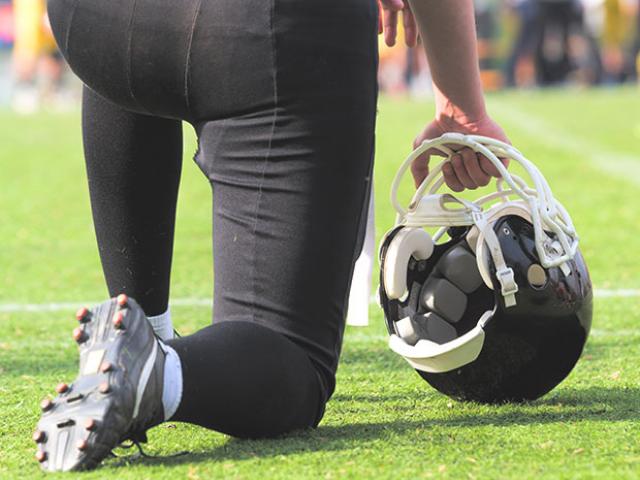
[494, 302]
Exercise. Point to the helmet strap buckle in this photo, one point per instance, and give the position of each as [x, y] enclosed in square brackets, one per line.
[509, 286]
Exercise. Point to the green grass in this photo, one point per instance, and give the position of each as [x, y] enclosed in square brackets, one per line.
[383, 422]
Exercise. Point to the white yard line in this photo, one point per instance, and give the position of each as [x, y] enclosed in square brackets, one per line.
[621, 293]
[56, 307]
[601, 293]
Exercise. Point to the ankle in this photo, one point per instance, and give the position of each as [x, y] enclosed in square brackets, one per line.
[162, 325]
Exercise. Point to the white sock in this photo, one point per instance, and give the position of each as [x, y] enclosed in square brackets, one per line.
[162, 325]
[172, 388]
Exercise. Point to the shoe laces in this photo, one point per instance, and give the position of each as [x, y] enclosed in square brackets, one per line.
[141, 453]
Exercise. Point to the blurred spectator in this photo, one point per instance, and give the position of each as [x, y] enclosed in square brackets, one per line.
[417, 75]
[392, 65]
[555, 34]
[6, 23]
[403, 70]
[37, 65]
[487, 31]
[552, 57]
[613, 37]
[525, 41]
[633, 63]
[635, 51]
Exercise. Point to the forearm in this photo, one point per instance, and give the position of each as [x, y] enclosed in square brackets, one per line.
[447, 29]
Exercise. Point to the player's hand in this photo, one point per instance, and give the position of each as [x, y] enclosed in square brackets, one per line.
[466, 168]
[389, 10]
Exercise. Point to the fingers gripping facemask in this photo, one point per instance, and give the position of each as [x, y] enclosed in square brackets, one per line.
[556, 243]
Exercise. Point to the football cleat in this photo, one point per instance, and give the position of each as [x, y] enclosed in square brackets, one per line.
[116, 396]
[494, 303]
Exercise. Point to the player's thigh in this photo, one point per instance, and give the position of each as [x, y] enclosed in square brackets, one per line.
[291, 181]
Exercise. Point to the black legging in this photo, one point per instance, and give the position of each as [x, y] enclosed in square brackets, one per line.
[282, 94]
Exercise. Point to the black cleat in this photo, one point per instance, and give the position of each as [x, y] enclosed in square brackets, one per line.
[116, 396]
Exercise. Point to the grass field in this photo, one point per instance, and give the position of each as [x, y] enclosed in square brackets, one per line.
[384, 421]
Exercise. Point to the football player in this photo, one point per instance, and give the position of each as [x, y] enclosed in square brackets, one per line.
[34, 49]
[282, 95]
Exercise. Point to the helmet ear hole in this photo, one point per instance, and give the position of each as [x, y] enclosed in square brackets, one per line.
[537, 276]
[407, 243]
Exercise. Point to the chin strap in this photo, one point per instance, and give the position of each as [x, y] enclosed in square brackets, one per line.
[504, 273]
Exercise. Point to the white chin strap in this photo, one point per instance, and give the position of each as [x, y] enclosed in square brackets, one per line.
[428, 356]
[430, 209]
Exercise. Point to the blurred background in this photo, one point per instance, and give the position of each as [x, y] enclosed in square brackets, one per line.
[536, 43]
[522, 44]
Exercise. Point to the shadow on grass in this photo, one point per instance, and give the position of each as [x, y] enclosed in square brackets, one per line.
[568, 406]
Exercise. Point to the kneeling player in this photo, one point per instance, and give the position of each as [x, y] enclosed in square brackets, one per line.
[282, 95]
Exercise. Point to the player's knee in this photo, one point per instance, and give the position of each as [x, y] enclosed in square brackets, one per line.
[259, 384]
[275, 413]
[281, 392]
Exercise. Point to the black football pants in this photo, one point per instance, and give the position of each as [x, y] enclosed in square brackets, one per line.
[282, 95]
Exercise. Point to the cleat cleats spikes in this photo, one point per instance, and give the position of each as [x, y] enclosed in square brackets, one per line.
[106, 367]
[117, 394]
[78, 335]
[90, 424]
[83, 315]
[62, 388]
[46, 405]
[122, 300]
[118, 319]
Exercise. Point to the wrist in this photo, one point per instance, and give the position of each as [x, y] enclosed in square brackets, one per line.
[451, 116]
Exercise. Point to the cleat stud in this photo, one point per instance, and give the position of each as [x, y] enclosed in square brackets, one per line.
[82, 445]
[83, 315]
[104, 387]
[122, 300]
[106, 367]
[90, 424]
[46, 405]
[38, 436]
[118, 321]
[62, 388]
[78, 335]
[41, 456]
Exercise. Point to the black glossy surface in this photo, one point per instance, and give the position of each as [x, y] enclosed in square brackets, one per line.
[530, 348]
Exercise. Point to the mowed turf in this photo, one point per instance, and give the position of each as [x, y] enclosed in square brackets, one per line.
[383, 421]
